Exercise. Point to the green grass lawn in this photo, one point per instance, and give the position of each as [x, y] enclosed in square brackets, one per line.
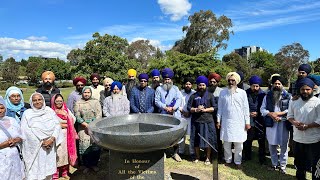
[28, 91]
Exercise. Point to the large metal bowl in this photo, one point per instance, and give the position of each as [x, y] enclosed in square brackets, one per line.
[138, 132]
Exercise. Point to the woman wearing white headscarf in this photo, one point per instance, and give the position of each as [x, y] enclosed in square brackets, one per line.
[11, 166]
[41, 134]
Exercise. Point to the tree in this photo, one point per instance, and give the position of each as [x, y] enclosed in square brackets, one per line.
[289, 58]
[205, 32]
[75, 56]
[34, 69]
[107, 56]
[316, 66]
[9, 70]
[142, 51]
[237, 63]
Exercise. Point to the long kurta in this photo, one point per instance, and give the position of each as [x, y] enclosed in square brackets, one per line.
[11, 166]
[40, 161]
[184, 103]
[164, 99]
[116, 106]
[86, 111]
[72, 99]
[233, 114]
[62, 150]
[278, 133]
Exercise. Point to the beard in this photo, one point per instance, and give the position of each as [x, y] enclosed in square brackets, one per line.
[306, 97]
[211, 88]
[201, 91]
[276, 95]
[187, 90]
[232, 88]
[155, 84]
[79, 89]
[131, 84]
[167, 86]
[95, 84]
[47, 85]
[113, 95]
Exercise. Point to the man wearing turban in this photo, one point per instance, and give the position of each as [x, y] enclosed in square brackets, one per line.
[201, 105]
[142, 96]
[274, 109]
[107, 89]
[117, 104]
[233, 118]
[257, 131]
[79, 83]
[132, 75]
[214, 80]
[168, 100]
[242, 84]
[96, 87]
[186, 92]
[155, 74]
[48, 89]
[304, 114]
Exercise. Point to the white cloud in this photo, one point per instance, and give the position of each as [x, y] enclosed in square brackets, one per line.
[69, 28]
[264, 14]
[177, 9]
[37, 38]
[24, 48]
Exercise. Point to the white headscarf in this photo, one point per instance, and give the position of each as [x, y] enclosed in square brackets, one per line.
[42, 121]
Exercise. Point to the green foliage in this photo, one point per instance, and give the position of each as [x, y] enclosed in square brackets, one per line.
[105, 55]
[205, 32]
[289, 58]
[237, 63]
[9, 70]
[5, 85]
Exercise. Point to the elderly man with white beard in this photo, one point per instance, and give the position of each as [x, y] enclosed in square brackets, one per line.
[274, 109]
[168, 100]
[233, 118]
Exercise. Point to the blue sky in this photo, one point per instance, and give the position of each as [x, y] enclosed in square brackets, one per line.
[51, 28]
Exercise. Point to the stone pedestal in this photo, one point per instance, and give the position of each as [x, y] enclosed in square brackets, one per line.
[149, 165]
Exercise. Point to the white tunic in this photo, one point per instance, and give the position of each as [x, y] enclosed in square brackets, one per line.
[39, 161]
[184, 103]
[233, 114]
[11, 166]
[278, 134]
[306, 112]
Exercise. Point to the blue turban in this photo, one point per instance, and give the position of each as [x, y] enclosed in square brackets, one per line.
[155, 72]
[116, 83]
[255, 80]
[202, 79]
[305, 81]
[241, 75]
[167, 73]
[305, 67]
[143, 76]
[314, 78]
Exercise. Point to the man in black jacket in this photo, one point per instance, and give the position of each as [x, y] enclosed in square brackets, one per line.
[48, 88]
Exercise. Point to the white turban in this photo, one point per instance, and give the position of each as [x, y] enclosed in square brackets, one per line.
[107, 80]
[235, 75]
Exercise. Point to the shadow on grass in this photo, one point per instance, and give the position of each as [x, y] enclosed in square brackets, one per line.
[182, 176]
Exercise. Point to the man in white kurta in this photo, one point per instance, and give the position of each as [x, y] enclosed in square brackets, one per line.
[304, 114]
[233, 118]
[185, 114]
[274, 108]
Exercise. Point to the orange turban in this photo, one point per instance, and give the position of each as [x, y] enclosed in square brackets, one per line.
[48, 73]
[132, 72]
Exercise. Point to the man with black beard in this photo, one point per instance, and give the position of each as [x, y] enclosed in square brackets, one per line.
[96, 87]
[132, 74]
[274, 109]
[257, 131]
[186, 92]
[168, 100]
[48, 89]
[304, 114]
[214, 88]
[242, 84]
[155, 74]
[76, 95]
[303, 71]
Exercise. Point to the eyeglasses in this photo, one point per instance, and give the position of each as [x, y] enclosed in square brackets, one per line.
[213, 82]
[107, 85]
[79, 85]
[231, 80]
[143, 81]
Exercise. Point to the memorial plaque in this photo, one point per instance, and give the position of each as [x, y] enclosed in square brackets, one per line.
[149, 165]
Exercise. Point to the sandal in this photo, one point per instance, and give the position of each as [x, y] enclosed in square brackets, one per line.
[207, 162]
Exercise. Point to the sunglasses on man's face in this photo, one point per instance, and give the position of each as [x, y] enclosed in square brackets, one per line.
[143, 81]
[79, 85]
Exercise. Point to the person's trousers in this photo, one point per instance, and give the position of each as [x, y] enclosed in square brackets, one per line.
[283, 158]
[247, 149]
[91, 158]
[307, 156]
[238, 146]
[63, 169]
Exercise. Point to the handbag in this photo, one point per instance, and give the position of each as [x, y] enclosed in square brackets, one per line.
[9, 136]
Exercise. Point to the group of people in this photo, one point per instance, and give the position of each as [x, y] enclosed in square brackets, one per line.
[41, 139]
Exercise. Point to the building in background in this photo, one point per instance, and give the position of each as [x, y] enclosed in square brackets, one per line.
[246, 51]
